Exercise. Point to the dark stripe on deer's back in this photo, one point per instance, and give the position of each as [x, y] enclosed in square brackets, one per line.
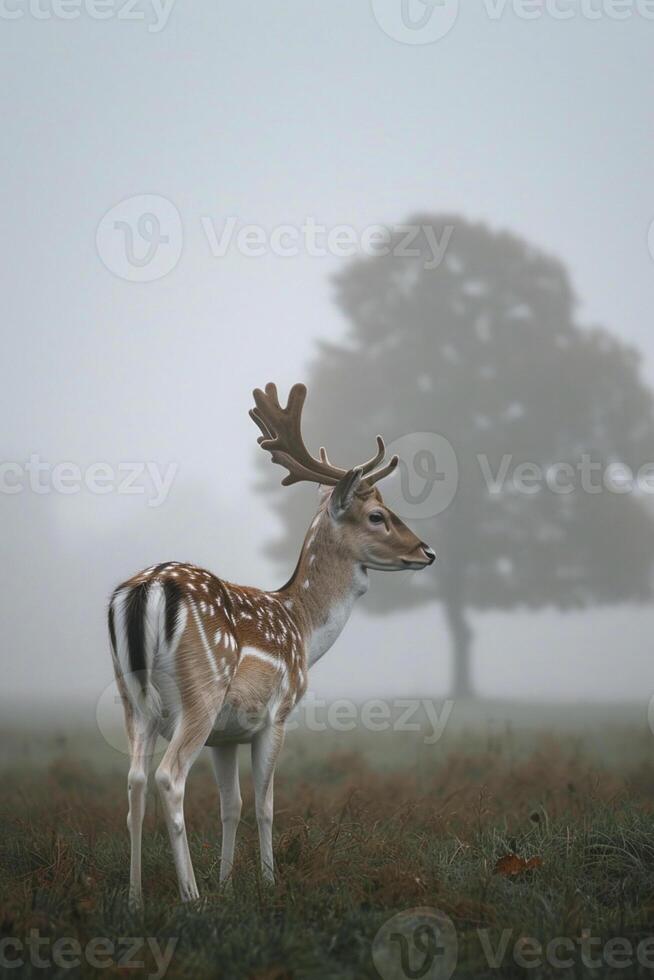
[173, 596]
[112, 628]
[135, 606]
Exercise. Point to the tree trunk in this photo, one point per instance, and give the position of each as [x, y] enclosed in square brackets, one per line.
[461, 634]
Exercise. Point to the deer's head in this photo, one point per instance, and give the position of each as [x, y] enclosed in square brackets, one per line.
[371, 533]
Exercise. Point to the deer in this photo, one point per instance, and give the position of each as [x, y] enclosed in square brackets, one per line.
[203, 662]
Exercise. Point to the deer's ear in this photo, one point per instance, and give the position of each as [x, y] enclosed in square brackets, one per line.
[343, 493]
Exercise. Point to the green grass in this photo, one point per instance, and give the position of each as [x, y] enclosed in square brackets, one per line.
[379, 825]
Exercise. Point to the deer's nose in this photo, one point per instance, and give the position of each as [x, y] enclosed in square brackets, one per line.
[429, 552]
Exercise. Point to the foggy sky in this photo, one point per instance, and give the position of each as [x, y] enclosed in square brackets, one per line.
[274, 113]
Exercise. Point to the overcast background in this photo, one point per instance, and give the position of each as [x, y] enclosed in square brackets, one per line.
[272, 113]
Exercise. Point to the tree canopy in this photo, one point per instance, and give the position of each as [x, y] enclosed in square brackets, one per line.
[485, 349]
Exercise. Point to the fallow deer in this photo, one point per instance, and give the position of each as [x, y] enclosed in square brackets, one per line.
[201, 661]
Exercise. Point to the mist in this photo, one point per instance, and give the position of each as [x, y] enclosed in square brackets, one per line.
[277, 150]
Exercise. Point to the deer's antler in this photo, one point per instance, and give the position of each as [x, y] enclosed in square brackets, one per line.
[281, 436]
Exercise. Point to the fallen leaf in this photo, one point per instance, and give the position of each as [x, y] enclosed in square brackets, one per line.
[511, 865]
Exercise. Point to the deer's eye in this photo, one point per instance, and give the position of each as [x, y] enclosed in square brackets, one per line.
[376, 517]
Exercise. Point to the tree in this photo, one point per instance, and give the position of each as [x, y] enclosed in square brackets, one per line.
[485, 350]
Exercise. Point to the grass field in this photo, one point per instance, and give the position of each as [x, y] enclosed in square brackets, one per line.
[366, 826]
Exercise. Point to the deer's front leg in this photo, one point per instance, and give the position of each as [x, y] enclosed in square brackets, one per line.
[225, 764]
[265, 749]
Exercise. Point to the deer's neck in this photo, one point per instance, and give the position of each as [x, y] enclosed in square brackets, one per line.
[324, 587]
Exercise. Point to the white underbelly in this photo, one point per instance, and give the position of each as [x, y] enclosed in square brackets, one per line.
[232, 725]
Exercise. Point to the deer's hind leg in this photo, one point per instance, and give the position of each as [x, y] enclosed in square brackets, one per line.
[191, 733]
[142, 736]
[145, 736]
